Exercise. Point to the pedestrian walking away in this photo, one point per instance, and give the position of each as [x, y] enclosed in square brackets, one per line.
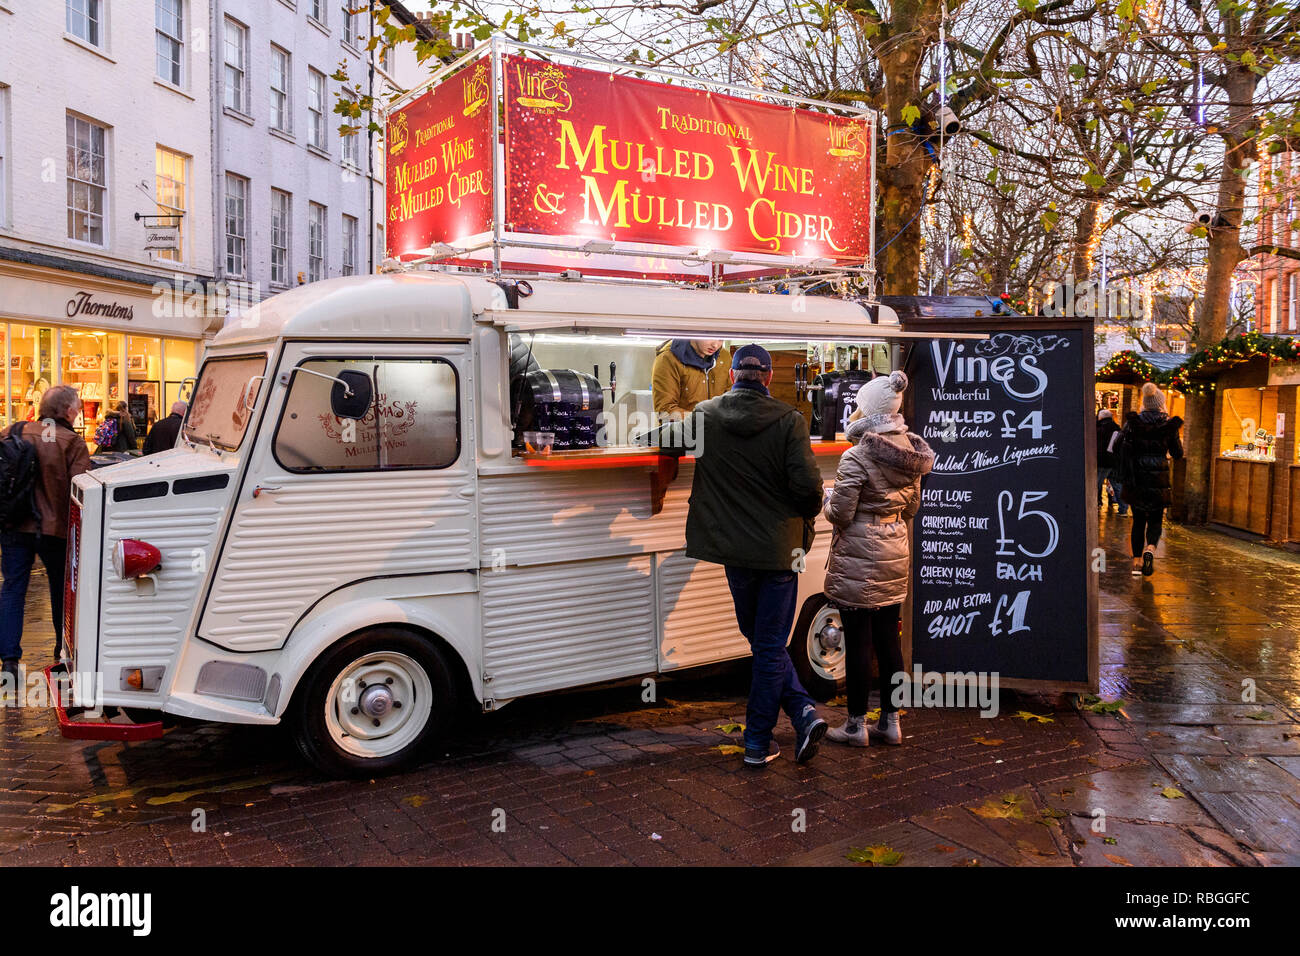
[41, 528]
[756, 492]
[1149, 440]
[877, 490]
[1108, 432]
[165, 431]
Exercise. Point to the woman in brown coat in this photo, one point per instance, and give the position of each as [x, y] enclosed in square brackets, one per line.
[877, 490]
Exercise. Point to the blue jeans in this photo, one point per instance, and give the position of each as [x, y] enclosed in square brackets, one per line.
[1107, 476]
[765, 605]
[18, 552]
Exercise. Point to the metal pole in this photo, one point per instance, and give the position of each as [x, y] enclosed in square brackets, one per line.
[498, 186]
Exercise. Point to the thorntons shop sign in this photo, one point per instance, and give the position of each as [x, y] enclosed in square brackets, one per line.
[83, 303]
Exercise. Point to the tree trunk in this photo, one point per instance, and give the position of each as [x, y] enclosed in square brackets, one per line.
[913, 31]
[1080, 267]
[1224, 255]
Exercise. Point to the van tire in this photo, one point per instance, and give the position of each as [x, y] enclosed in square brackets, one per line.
[417, 697]
[813, 675]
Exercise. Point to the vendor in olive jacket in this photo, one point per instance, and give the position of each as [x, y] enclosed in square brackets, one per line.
[756, 492]
[686, 372]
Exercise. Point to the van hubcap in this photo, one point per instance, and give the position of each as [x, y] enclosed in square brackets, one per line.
[826, 644]
[378, 704]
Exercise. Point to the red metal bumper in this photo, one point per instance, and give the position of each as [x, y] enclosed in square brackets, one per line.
[75, 729]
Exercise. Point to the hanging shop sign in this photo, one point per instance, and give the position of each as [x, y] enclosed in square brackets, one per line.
[592, 154]
[162, 238]
[438, 163]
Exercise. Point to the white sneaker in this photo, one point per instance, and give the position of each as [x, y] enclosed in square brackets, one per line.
[852, 732]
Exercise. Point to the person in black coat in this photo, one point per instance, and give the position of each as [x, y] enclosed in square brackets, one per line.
[1150, 438]
[1108, 460]
[164, 432]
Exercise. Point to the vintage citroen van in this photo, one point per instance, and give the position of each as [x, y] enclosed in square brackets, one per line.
[347, 538]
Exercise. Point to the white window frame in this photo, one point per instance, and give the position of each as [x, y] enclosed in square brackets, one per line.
[316, 268]
[349, 240]
[1273, 290]
[317, 94]
[236, 212]
[1293, 304]
[281, 109]
[350, 148]
[91, 22]
[167, 209]
[281, 209]
[318, 11]
[349, 28]
[73, 180]
[4, 152]
[236, 93]
[162, 37]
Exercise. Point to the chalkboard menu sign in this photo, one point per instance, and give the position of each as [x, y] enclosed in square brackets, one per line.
[1000, 564]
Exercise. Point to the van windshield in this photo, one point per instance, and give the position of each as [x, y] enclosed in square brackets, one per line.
[226, 389]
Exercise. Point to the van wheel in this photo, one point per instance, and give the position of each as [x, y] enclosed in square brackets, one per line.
[372, 702]
[817, 648]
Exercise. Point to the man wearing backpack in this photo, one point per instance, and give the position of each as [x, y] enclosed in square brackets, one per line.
[34, 513]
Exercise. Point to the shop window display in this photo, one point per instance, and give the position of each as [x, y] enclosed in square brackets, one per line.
[31, 370]
[1249, 423]
[178, 372]
[91, 365]
[144, 381]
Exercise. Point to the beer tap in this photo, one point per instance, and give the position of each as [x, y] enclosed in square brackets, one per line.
[613, 370]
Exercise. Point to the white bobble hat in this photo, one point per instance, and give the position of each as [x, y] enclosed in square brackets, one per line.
[882, 395]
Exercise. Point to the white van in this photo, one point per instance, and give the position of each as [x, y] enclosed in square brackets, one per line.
[349, 540]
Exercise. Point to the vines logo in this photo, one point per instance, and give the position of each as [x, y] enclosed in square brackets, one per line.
[397, 134]
[476, 89]
[543, 91]
[848, 140]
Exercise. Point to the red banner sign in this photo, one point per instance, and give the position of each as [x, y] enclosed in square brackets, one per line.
[438, 173]
[591, 154]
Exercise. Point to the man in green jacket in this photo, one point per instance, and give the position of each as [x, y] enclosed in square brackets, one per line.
[756, 492]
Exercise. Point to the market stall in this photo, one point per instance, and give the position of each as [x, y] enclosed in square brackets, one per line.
[1255, 480]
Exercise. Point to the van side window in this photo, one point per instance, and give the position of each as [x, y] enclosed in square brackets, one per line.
[414, 421]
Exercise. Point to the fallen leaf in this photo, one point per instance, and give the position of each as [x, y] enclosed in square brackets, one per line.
[1053, 813]
[731, 749]
[879, 855]
[1008, 809]
[1109, 841]
[1106, 706]
[1171, 793]
[1027, 716]
[415, 800]
[732, 728]
[989, 742]
[1116, 859]
[1260, 715]
[945, 848]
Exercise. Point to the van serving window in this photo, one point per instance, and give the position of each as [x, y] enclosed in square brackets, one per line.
[413, 421]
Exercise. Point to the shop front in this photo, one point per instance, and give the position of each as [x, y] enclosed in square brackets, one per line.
[1256, 479]
[113, 340]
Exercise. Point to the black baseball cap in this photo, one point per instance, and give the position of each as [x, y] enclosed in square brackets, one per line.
[751, 357]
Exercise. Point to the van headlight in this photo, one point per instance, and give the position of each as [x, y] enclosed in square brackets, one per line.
[134, 559]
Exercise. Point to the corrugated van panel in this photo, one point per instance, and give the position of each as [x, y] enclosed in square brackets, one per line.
[564, 625]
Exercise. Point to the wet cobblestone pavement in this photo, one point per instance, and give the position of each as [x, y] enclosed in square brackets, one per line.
[1185, 773]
